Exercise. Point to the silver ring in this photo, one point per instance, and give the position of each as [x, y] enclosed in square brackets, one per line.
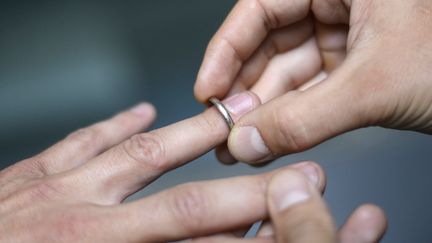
[223, 111]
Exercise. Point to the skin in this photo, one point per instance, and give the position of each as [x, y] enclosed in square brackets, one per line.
[73, 191]
[309, 220]
[322, 68]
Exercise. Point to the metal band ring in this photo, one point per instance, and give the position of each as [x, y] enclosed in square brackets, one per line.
[223, 111]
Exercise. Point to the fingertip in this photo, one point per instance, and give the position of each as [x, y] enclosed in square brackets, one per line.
[224, 156]
[152, 111]
[314, 172]
[288, 188]
[372, 215]
[207, 86]
[200, 92]
[255, 98]
[145, 110]
[368, 223]
[298, 212]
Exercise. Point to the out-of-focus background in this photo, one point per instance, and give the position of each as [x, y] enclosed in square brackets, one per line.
[66, 64]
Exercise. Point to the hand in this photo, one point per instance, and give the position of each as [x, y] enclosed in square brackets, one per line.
[73, 191]
[299, 215]
[372, 56]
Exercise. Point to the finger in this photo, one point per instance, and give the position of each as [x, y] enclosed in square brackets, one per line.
[240, 233]
[288, 71]
[224, 155]
[136, 162]
[198, 209]
[279, 41]
[367, 224]
[241, 34]
[299, 120]
[230, 235]
[332, 12]
[332, 42]
[321, 76]
[266, 230]
[230, 239]
[88, 142]
[297, 210]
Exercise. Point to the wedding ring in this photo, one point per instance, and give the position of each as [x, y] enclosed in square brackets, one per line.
[223, 111]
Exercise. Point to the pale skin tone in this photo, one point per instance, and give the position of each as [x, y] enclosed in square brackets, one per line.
[355, 64]
[322, 68]
[73, 191]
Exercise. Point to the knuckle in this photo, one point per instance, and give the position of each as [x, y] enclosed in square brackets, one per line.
[28, 169]
[146, 150]
[239, 55]
[48, 189]
[271, 19]
[293, 133]
[189, 206]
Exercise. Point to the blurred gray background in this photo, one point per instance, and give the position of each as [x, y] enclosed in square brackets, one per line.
[67, 64]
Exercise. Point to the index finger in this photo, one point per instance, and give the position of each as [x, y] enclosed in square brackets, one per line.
[136, 162]
[240, 35]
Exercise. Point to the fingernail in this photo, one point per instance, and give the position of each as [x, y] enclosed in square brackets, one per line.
[247, 144]
[289, 189]
[310, 171]
[143, 109]
[239, 104]
[266, 230]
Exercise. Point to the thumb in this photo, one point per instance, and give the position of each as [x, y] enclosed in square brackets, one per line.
[299, 120]
[297, 211]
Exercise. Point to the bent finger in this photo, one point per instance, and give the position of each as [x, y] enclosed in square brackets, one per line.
[279, 41]
[332, 42]
[241, 34]
[136, 162]
[300, 120]
[297, 210]
[288, 71]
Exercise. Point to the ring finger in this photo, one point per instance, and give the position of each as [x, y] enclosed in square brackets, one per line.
[131, 165]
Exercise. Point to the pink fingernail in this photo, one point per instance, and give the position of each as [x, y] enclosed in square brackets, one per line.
[239, 104]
